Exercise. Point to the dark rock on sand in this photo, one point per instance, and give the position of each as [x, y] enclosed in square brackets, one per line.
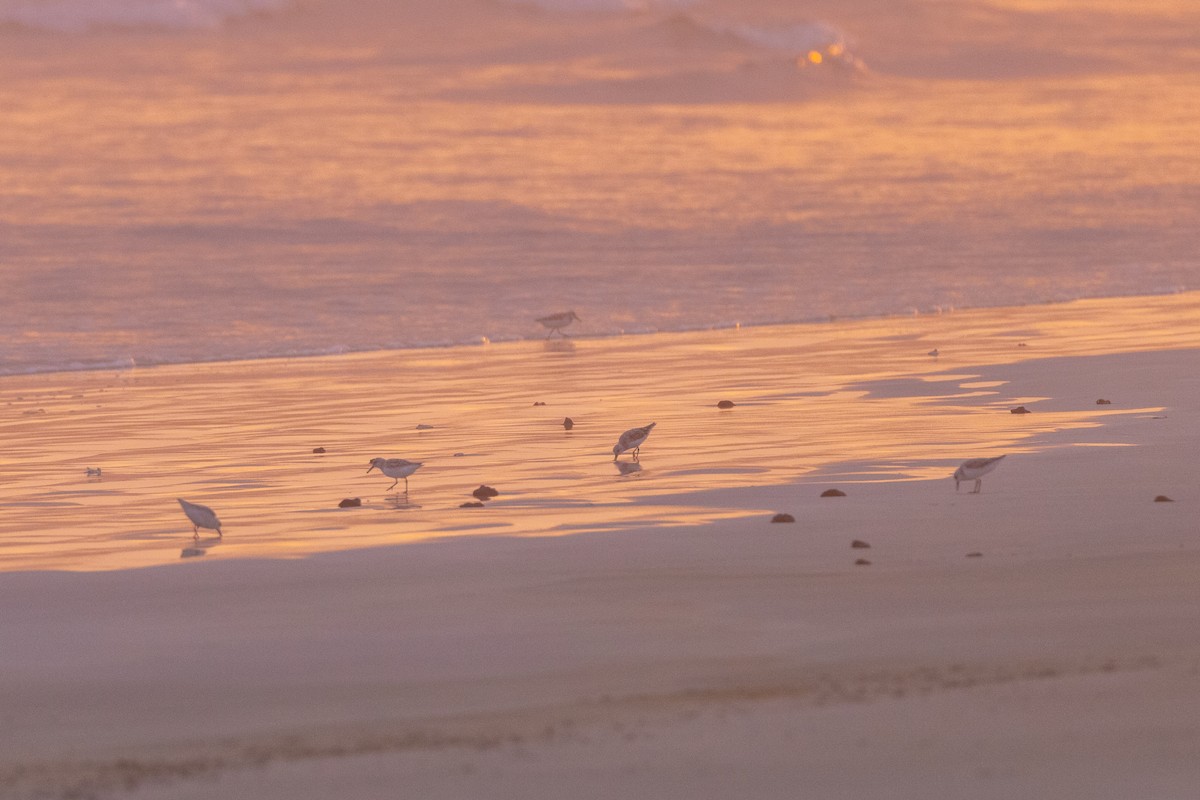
[1162, 498]
[350, 502]
[725, 404]
[485, 492]
[1019, 410]
[975, 554]
[783, 518]
[318, 449]
[859, 544]
[862, 562]
[833, 493]
[471, 504]
[568, 423]
[1103, 402]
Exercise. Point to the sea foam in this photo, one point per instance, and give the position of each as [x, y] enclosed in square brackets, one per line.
[75, 16]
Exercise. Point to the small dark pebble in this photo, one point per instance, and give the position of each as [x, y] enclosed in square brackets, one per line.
[1021, 344]
[472, 504]
[1162, 498]
[725, 404]
[976, 554]
[833, 493]
[783, 518]
[862, 562]
[539, 403]
[318, 449]
[424, 427]
[859, 544]
[568, 423]
[485, 492]
[1019, 410]
[350, 502]
[1103, 402]
[459, 455]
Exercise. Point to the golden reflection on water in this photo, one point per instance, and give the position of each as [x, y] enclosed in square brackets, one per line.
[845, 402]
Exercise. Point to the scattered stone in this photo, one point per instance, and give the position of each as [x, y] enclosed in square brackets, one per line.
[783, 518]
[975, 554]
[1019, 410]
[725, 404]
[318, 449]
[933, 352]
[568, 423]
[485, 492]
[471, 504]
[95, 472]
[1162, 498]
[859, 544]
[833, 493]
[350, 502]
[1103, 402]
[539, 403]
[862, 562]
[1021, 344]
[424, 427]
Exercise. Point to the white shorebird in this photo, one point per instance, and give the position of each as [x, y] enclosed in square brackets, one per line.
[632, 440]
[556, 322]
[395, 468]
[974, 470]
[201, 517]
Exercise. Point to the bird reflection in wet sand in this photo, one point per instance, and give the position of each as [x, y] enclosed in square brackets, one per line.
[563, 345]
[395, 468]
[627, 467]
[632, 440]
[200, 517]
[556, 322]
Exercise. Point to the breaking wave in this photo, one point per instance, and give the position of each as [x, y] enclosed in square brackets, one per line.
[74, 16]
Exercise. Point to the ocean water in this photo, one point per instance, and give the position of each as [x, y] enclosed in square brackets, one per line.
[227, 179]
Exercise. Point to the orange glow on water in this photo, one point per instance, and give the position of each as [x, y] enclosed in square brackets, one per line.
[839, 402]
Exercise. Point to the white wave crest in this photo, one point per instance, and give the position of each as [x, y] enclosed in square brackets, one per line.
[605, 5]
[82, 15]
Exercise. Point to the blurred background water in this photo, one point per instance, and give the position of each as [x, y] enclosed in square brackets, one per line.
[223, 179]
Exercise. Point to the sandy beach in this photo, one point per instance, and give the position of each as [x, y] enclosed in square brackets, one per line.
[603, 631]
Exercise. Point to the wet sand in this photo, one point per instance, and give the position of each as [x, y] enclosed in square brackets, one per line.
[637, 633]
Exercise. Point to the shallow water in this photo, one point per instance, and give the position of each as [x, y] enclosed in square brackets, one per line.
[843, 404]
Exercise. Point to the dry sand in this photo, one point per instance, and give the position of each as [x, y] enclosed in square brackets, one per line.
[593, 633]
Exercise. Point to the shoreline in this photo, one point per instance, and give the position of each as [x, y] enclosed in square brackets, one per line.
[856, 403]
[337, 351]
[641, 634]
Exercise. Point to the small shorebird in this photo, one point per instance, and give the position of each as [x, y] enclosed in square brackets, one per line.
[974, 470]
[201, 517]
[556, 322]
[395, 468]
[632, 440]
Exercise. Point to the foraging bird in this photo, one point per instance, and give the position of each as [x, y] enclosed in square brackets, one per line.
[632, 440]
[974, 470]
[395, 468]
[201, 517]
[556, 322]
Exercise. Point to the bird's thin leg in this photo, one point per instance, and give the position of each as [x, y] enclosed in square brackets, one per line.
[196, 533]
[406, 485]
[978, 486]
[393, 485]
[636, 451]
